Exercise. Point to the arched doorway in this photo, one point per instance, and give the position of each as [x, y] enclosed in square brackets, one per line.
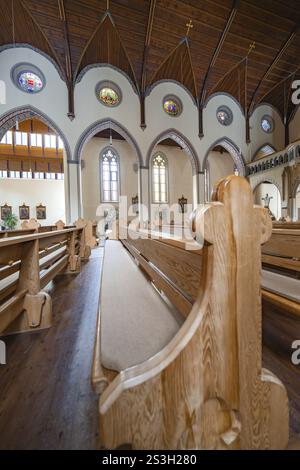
[32, 168]
[266, 194]
[171, 185]
[110, 160]
[219, 164]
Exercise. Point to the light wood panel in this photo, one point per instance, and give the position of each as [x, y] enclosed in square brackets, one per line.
[207, 388]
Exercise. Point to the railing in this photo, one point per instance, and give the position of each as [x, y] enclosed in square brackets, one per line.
[27, 264]
[285, 157]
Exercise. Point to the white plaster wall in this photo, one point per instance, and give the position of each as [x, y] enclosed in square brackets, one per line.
[158, 121]
[180, 173]
[53, 100]
[275, 203]
[50, 193]
[90, 174]
[295, 126]
[219, 166]
[214, 131]
[259, 137]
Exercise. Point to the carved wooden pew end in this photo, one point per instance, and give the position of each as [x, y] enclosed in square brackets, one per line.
[37, 315]
[206, 389]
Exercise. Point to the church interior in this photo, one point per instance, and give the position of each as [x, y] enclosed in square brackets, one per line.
[150, 225]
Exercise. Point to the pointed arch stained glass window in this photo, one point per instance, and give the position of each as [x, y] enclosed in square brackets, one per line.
[159, 179]
[110, 176]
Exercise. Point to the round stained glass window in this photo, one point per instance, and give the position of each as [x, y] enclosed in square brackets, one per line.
[108, 94]
[224, 115]
[267, 124]
[30, 82]
[28, 78]
[172, 106]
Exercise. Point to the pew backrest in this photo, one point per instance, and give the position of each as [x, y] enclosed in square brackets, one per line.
[282, 251]
[206, 389]
[28, 263]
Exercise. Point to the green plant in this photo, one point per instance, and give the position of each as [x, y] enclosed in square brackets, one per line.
[10, 222]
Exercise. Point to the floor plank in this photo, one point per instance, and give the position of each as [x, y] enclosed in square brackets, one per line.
[46, 399]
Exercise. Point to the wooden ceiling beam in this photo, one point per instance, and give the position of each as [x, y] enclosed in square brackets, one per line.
[67, 48]
[55, 56]
[147, 43]
[217, 50]
[273, 64]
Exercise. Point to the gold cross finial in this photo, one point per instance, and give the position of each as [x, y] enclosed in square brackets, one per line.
[189, 26]
[251, 47]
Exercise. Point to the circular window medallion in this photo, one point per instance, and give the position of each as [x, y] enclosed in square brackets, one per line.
[109, 94]
[267, 124]
[224, 115]
[172, 106]
[28, 78]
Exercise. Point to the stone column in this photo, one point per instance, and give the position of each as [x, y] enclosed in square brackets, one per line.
[73, 191]
[144, 194]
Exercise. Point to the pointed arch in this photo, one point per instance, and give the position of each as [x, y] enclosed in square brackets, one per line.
[268, 179]
[182, 141]
[100, 126]
[23, 113]
[234, 151]
[268, 149]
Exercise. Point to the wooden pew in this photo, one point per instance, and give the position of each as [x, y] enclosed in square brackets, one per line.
[206, 388]
[281, 256]
[27, 264]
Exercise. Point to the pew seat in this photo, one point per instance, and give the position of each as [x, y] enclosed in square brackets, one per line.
[136, 321]
[283, 285]
[203, 387]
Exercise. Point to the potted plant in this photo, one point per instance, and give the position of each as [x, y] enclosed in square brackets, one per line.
[10, 222]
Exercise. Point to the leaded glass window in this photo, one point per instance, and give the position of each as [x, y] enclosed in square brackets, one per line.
[172, 106]
[30, 82]
[267, 124]
[110, 176]
[28, 78]
[108, 93]
[160, 179]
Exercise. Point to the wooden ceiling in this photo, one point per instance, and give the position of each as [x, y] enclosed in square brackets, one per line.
[147, 39]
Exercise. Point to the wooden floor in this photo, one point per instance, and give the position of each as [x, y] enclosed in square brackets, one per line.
[46, 400]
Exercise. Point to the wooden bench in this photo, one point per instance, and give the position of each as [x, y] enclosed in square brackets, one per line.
[281, 263]
[27, 264]
[205, 389]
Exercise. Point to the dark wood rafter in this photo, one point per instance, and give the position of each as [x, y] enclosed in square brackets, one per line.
[277, 58]
[106, 47]
[69, 72]
[145, 56]
[49, 45]
[216, 53]
[217, 50]
[82, 33]
[178, 67]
